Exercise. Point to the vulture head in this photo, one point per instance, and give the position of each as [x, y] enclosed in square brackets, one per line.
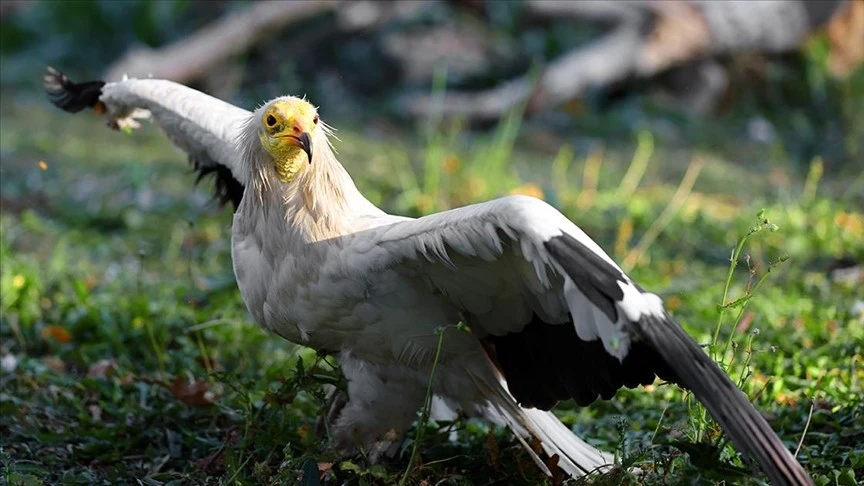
[285, 129]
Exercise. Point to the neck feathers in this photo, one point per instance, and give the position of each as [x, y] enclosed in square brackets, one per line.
[326, 201]
[321, 202]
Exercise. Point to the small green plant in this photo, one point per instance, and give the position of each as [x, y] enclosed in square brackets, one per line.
[427, 402]
[700, 421]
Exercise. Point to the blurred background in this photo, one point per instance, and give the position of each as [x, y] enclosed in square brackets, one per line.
[662, 128]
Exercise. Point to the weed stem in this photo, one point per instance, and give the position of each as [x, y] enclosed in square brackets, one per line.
[427, 405]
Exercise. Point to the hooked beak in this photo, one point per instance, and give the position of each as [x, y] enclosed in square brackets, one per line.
[304, 141]
[306, 144]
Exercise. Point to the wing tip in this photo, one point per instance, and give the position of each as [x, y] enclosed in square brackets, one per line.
[70, 96]
[730, 407]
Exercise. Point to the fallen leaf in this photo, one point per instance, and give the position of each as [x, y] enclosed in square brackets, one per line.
[54, 363]
[102, 368]
[192, 392]
[557, 472]
[57, 333]
[43, 165]
[212, 464]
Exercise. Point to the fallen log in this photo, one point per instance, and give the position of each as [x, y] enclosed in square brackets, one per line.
[194, 56]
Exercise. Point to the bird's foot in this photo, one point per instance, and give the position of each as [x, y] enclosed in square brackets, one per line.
[350, 441]
[130, 121]
[337, 399]
[386, 448]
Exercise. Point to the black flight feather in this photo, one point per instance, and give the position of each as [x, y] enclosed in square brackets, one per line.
[544, 363]
[69, 96]
[593, 276]
[684, 361]
[225, 187]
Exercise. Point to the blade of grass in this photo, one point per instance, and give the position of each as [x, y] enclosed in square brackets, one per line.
[636, 170]
[560, 166]
[811, 185]
[804, 433]
[427, 404]
[590, 178]
[666, 217]
[435, 145]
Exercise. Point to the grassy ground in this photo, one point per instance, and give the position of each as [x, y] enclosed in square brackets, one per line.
[127, 352]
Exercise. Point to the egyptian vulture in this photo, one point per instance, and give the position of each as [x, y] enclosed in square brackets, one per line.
[551, 316]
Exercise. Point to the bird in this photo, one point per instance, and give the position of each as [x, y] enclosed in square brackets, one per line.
[512, 305]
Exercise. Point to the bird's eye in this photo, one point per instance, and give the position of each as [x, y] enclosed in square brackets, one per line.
[270, 121]
[315, 120]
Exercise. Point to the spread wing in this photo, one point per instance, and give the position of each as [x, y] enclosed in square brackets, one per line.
[204, 127]
[559, 317]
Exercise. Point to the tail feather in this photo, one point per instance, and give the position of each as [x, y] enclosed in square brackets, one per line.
[575, 457]
[729, 406]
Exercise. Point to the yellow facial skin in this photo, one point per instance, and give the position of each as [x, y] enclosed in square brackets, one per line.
[287, 133]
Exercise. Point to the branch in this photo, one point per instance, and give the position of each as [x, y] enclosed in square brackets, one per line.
[607, 60]
[190, 58]
[649, 37]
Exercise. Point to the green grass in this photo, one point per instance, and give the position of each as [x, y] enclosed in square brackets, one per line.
[134, 356]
